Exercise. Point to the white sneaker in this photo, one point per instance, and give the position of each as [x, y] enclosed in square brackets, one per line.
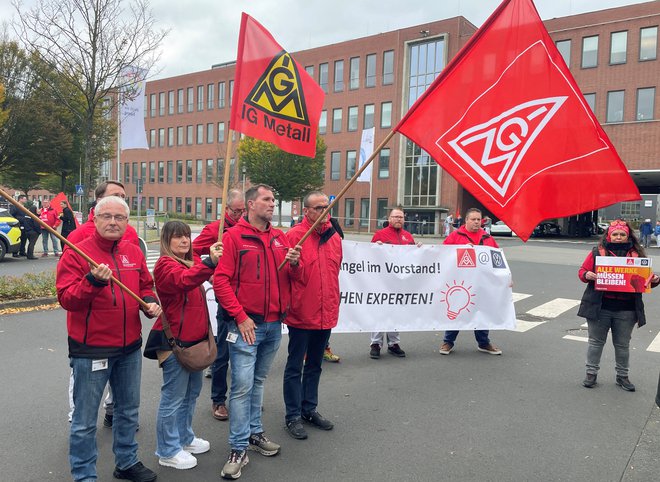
[182, 460]
[198, 446]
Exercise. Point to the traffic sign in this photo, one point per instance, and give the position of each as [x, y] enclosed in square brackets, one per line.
[80, 190]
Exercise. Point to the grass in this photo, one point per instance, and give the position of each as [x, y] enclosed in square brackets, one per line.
[28, 286]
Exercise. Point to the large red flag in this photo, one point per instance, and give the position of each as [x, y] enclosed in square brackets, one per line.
[507, 120]
[274, 99]
[55, 204]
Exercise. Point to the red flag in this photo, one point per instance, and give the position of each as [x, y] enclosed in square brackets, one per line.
[507, 120]
[275, 99]
[55, 204]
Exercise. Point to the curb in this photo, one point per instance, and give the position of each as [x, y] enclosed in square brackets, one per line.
[28, 303]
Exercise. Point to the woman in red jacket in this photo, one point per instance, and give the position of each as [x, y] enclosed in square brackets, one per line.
[178, 279]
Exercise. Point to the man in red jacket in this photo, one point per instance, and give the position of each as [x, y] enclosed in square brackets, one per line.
[470, 233]
[393, 233]
[104, 328]
[49, 216]
[314, 312]
[201, 244]
[256, 297]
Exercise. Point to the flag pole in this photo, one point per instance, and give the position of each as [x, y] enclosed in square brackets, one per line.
[342, 192]
[225, 185]
[72, 246]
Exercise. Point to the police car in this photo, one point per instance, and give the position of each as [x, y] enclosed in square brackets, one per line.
[10, 234]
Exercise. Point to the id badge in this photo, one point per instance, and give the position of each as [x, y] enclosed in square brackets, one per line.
[232, 336]
[99, 365]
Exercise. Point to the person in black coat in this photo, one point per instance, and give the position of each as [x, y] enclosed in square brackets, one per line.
[68, 221]
[32, 232]
[20, 217]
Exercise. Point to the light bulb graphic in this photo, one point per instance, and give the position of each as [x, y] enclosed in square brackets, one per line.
[458, 298]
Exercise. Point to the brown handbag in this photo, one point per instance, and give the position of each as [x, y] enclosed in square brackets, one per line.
[193, 358]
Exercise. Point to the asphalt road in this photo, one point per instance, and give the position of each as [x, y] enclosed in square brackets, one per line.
[469, 416]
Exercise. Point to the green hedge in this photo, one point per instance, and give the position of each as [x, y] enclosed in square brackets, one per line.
[27, 286]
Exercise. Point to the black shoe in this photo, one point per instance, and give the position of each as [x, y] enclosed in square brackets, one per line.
[375, 351]
[396, 350]
[315, 418]
[15, 255]
[296, 429]
[137, 473]
[624, 382]
[107, 421]
[590, 380]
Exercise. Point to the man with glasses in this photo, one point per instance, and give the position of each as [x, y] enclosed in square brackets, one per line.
[104, 333]
[314, 312]
[393, 233]
[201, 245]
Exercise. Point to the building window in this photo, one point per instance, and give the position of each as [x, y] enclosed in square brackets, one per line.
[161, 137]
[209, 170]
[615, 106]
[310, 70]
[381, 211]
[349, 212]
[189, 170]
[152, 105]
[630, 210]
[648, 43]
[152, 138]
[168, 204]
[354, 73]
[188, 205]
[335, 162]
[370, 78]
[143, 171]
[161, 204]
[388, 67]
[161, 172]
[351, 158]
[618, 47]
[179, 136]
[323, 77]
[221, 95]
[645, 103]
[352, 118]
[170, 103]
[421, 174]
[221, 172]
[136, 175]
[385, 115]
[336, 120]
[384, 163]
[590, 52]
[364, 212]
[200, 97]
[591, 101]
[564, 47]
[221, 132]
[323, 122]
[369, 116]
[210, 96]
[208, 214]
[170, 136]
[189, 135]
[161, 104]
[199, 171]
[151, 202]
[127, 173]
[178, 205]
[200, 133]
[339, 76]
[210, 131]
[179, 172]
[170, 173]
[191, 100]
[180, 101]
[231, 91]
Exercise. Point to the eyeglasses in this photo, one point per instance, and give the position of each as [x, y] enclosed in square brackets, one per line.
[318, 209]
[120, 218]
[397, 217]
[237, 211]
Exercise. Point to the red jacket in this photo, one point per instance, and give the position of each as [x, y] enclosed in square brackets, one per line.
[102, 320]
[246, 281]
[209, 236]
[180, 297]
[50, 217]
[87, 229]
[315, 297]
[463, 236]
[389, 235]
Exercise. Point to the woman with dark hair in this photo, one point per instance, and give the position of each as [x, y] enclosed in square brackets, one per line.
[178, 278]
[612, 310]
[68, 221]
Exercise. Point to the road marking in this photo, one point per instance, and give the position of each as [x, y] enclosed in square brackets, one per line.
[554, 308]
[575, 338]
[655, 344]
[519, 296]
[523, 326]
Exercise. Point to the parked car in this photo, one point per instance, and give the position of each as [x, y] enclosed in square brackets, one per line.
[602, 227]
[547, 229]
[501, 229]
[10, 234]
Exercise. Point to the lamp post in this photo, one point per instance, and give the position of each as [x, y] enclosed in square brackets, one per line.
[243, 172]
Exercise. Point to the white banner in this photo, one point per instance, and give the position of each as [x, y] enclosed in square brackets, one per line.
[433, 287]
[133, 135]
[366, 149]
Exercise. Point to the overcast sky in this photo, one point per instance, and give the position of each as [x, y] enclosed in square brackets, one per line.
[205, 32]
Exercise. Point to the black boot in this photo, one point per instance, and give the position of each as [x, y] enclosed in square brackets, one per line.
[590, 380]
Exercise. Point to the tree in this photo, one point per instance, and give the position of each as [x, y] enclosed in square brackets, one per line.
[90, 43]
[291, 176]
[4, 113]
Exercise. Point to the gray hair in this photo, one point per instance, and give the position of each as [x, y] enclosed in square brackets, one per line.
[103, 202]
[312, 194]
[234, 195]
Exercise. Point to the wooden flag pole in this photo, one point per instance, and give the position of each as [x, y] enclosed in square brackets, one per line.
[225, 186]
[72, 246]
[342, 192]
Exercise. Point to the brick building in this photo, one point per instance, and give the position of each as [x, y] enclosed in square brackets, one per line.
[372, 81]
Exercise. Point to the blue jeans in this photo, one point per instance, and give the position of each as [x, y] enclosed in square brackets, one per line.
[123, 372]
[249, 369]
[301, 383]
[44, 240]
[480, 335]
[178, 397]
[621, 323]
[221, 363]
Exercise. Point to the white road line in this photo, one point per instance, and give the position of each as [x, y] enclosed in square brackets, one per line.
[554, 308]
[523, 326]
[519, 296]
[655, 344]
[575, 338]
